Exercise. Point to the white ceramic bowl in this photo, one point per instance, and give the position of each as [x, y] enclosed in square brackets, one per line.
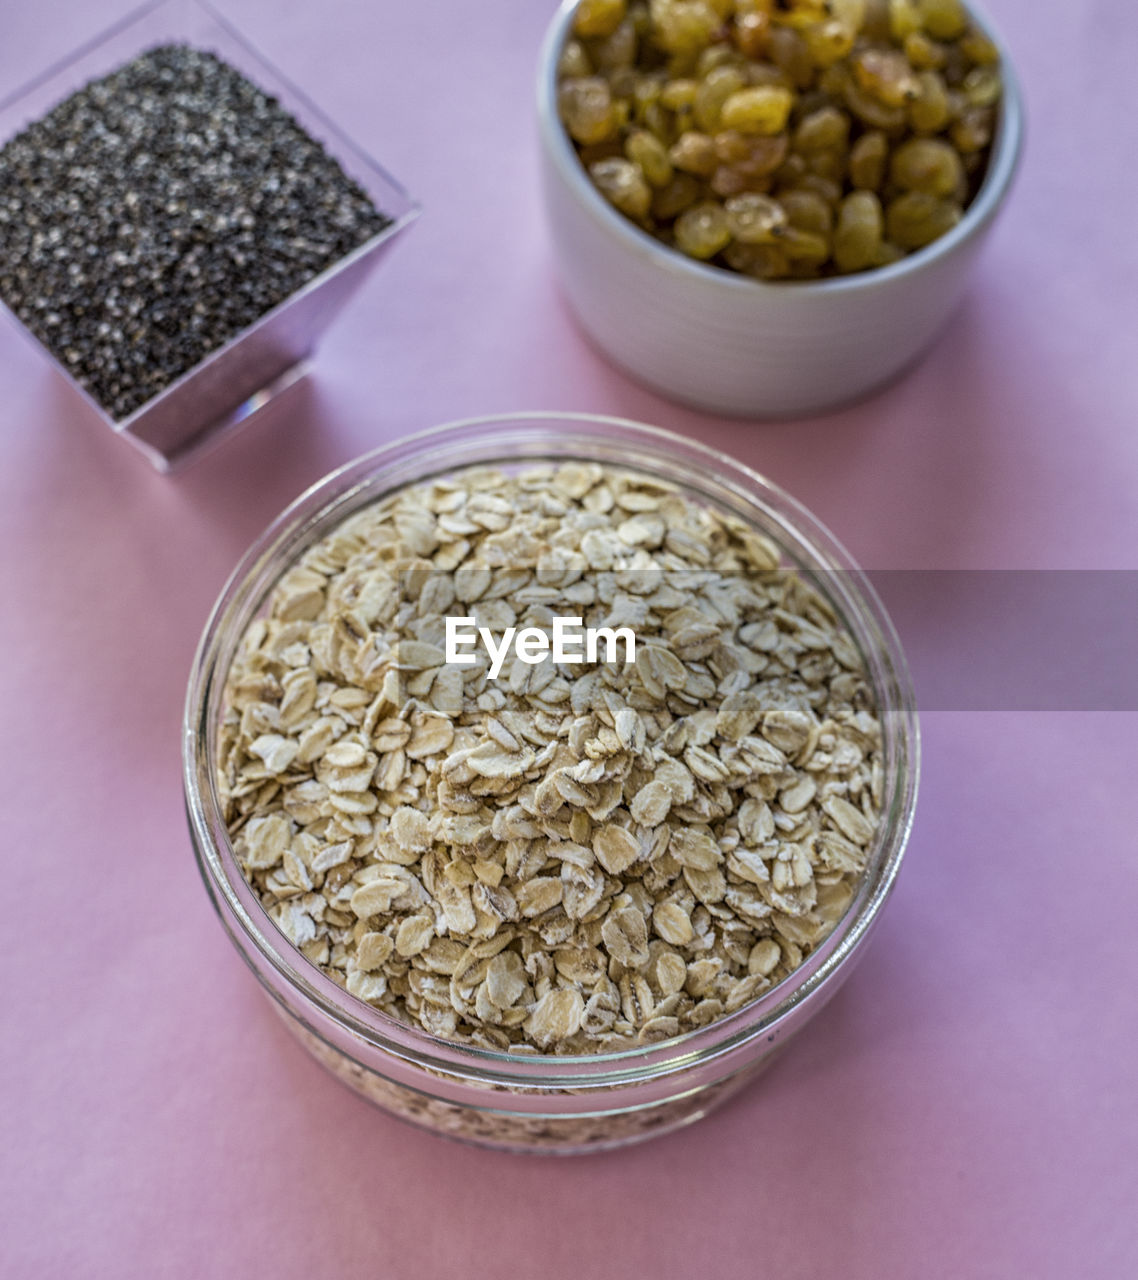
[733, 345]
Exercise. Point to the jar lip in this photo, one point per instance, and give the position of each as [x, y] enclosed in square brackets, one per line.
[532, 437]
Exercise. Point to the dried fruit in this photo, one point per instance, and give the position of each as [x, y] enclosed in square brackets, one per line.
[736, 130]
[599, 17]
[763, 109]
[861, 225]
[646, 150]
[702, 231]
[917, 219]
[867, 161]
[587, 109]
[623, 184]
[754, 219]
[928, 165]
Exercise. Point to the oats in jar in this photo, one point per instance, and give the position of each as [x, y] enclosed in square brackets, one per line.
[542, 855]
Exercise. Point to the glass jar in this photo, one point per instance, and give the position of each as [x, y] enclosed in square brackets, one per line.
[545, 1102]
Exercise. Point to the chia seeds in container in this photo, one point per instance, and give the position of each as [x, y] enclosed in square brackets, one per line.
[157, 212]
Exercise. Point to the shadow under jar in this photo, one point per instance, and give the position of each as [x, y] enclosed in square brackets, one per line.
[545, 1102]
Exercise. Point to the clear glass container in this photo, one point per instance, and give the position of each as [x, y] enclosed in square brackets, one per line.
[545, 1102]
[225, 389]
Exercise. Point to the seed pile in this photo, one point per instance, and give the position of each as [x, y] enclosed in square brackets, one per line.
[784, 139]
[156, 213]
[575, 857]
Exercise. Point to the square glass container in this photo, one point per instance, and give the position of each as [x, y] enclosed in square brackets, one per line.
[237, 379]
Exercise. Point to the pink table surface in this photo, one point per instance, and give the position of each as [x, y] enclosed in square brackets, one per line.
[965, 1108]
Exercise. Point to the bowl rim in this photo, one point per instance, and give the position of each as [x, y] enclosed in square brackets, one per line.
[1003, 164]
[346, 489]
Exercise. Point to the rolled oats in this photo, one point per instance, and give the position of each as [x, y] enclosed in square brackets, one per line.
[574, 857]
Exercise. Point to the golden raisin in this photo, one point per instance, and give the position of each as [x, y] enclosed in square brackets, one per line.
[904, 18]
[871, 111]
[646, 150]
[857, 238]
[928, 165]
[978, 48]
[677, 94]
[587, 109]
[754, 218]
[694, 153]
[943, 19]
[623, 184]
[684, 27]
[822, 130]
[982, 87]
[788, 52]
[885, 75]
[702, 231]
[828, 42]
[574, 61]
[752, 34]
[924, 54]
[867, 161]
[762, 109]
[715, 90]
[617, 52]
[808, 247]
[825, 188]
[929, 111]
[915, 219]
[598, 17]
[973, 131]
[807, 210]
[763, 261]
[675, 196]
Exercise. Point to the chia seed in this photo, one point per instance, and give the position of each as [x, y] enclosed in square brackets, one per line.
[154, 214]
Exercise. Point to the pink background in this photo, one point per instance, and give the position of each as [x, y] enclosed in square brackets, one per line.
[965, 1108]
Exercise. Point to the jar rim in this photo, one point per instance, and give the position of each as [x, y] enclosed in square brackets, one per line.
[532, 438]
